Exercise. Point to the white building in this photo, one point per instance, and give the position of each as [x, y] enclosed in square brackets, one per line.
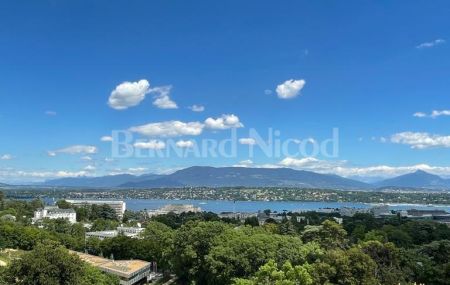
[102, 234]
[133, 232]
[130, 272]
[174, 208]
[118, 206]
[53, 212]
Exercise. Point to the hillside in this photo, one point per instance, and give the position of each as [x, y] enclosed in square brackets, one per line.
[249, 177]
[418, 179]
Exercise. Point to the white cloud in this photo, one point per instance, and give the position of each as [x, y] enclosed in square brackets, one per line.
[247, 161]
[50, 113]
[106, 139]
[184, 144]
[74, 149]
[244, 163]
[151, 144]
[169, 129]
[419, 140]
[6, 157]
[224, 122]
[162, 100]
[437, 113]
[21, 176]
[342, 168]
[248, 141]
[268, 92]
[434, 114]
[310, 163]
[290, 88]
[419, 115]
[128, 94]
[131, 170]
[430, 44]
[90, 168]
[197, 108]
[86, 158]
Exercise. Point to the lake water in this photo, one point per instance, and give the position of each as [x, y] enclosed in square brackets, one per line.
[217, 206]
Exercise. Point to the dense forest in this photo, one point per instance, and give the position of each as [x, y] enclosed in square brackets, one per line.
[201, 248]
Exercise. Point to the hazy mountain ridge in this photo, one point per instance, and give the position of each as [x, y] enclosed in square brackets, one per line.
[198, 176]
[418, 179]
[101, 181]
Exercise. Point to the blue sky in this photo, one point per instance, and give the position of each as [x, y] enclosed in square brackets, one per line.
[364, 67]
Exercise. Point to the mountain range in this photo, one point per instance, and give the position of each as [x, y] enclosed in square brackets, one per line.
[418, 179]
[198, 176]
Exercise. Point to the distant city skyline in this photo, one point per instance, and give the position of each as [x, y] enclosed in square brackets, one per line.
[75, 73]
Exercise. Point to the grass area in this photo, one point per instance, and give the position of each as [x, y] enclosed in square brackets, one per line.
[7, 255]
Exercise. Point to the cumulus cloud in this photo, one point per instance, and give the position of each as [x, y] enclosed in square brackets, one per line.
[248, 141]
[74, 149]
[430, 44]
[310, 163]
[6, 157]
[128, 94]
[418, 140]
[106, 139]
[434, 114]
[290, 88]
[223, 123]
[162, 100]
[35, 176]
[244, 163]
[419, 115]
[169, 129]
[343, 168]
[131, 170]
[151, 144]
[90, 168]
[50, 113]
[184, 144]
[437, 113]
[197, 108]
[86, 158]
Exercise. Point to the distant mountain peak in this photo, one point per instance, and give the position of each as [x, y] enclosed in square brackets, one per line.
[417, 179]
[208, 176]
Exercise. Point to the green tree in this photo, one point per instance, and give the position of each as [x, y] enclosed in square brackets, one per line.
[63, 204]
[192, 243]
[157, 244]
[251, 221]
[240, 252]
[269, 274]
[386, 257]
[345, 267]
[52, 264]
[329, 235]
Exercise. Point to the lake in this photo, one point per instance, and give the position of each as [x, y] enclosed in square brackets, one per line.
[218, 206]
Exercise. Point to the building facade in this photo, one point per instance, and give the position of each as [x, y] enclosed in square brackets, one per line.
[53, 212]
[118, 206]
[130, 272]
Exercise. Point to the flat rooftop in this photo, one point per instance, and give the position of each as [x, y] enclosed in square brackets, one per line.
[124, 268]
[73, 201]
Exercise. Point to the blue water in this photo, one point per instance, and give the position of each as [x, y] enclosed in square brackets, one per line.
[217, 206]
[254, 206]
